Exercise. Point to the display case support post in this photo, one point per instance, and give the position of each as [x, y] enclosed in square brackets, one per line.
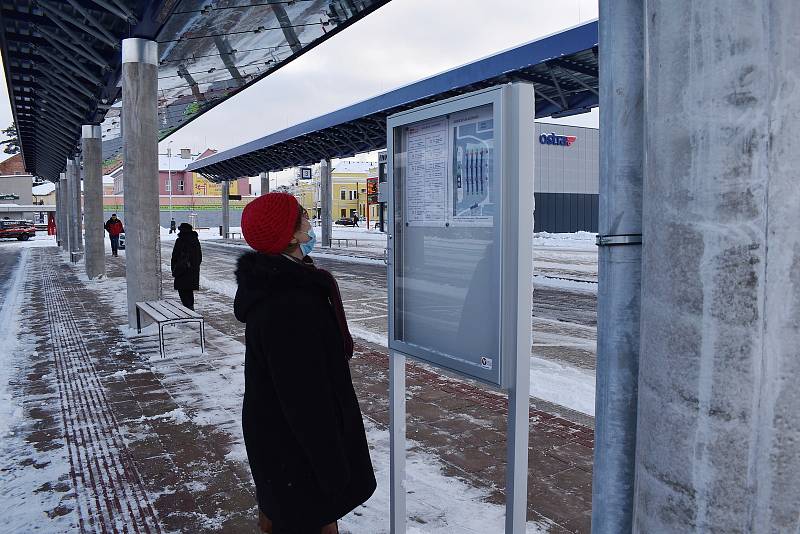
[518, 289]
[397, 438]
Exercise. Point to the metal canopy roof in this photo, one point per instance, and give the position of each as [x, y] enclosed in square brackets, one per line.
[62, 60]
[562, 67]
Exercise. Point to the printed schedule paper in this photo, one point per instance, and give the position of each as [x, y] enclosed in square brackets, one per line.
[426, 173]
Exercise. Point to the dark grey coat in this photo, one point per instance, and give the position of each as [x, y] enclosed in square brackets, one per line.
[186, 259]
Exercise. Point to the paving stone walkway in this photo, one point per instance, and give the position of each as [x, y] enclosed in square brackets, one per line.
[131, 469]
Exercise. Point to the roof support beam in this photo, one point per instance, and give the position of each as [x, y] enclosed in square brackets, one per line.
[558, 86]
[286, 25]
[58, 91]
[53, 102]
[82, 49]
[57, 73]
[109, 38]
[117, 9]
[69, 62]
[58, 13]
[578, 80]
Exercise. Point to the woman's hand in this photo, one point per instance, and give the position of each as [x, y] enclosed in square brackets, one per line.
[264, 523]
[331, 528]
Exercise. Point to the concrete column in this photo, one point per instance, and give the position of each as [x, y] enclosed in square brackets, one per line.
[73, 210]
[718, 441]
[264, 183]
[226, 211]
[140, 156]
[60, 227]
[325, 201]
[78, 210]
[619, 263]
[64, 207]
[93, 201]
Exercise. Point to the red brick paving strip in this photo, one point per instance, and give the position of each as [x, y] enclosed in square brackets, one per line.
[109, 491]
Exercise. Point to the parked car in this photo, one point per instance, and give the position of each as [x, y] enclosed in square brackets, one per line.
[345, 221]
[22, 230]
[122, 240]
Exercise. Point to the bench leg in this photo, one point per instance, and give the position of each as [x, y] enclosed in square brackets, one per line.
[161, 339]
[138, 321]
[202, 338]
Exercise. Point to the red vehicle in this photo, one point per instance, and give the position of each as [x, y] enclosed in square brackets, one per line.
[22, 230]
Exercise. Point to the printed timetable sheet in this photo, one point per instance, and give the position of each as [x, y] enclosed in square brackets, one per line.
[449, 170]
[426, 186]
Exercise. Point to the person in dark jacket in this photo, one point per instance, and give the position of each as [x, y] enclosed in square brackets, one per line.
[186, 259]
[114, 227]
[303, 431]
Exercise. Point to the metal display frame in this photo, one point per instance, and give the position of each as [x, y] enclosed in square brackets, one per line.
[513, 111]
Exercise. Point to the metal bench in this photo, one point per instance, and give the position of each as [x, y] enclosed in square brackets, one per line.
[165, 312]
[231, 234]
[345, 239]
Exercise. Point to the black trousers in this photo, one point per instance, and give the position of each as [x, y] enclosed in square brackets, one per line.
[114, 243]
[187, 298]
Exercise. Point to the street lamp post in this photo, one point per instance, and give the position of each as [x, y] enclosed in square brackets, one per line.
[169, 178]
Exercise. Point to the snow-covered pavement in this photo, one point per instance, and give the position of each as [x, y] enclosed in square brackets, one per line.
[109, 435]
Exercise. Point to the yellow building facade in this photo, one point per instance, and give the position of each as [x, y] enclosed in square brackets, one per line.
[349, 191]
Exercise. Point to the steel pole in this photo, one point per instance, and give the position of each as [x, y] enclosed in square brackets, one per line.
[326, 198]
[619, 265]
[140, 154]
[93, 200]
[718, 440]
[264, 183]
[226, 214]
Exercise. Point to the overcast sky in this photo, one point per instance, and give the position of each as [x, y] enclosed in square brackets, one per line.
[402, 42]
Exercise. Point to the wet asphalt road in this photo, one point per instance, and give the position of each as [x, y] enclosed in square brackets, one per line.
[564, 321]
[9, 257]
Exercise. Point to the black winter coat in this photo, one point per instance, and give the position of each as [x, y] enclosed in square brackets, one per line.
[302, 425]
[186, 259]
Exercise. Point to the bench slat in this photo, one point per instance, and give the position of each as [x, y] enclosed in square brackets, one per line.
[154, 314]
[166, 311]
[181, 309]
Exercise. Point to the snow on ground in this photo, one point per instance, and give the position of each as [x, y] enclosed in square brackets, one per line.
[10, 411]
[436, 503]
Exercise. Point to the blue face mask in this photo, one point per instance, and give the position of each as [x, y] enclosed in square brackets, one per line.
[308, 246]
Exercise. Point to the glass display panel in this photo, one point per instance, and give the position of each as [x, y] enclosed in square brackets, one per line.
[447, 241]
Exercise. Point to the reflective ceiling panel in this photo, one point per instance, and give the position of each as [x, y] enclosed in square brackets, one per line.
[210, 51]
[62, 60]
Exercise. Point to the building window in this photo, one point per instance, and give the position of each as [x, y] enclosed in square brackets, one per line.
[344, 211]
[167, 185]
[180, 185]
[343, 193]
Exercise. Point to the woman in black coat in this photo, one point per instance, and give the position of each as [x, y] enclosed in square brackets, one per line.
[302, 424]
[186, 259]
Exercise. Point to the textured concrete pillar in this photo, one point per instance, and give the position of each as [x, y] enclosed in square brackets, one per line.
[226, 209]
[718, 442]
[140, 156]
[93, 201]
[326, 198]
[619, 262]
[73, 210]
[264, 183]
[61, 228]
[64, 206]
[77, 212]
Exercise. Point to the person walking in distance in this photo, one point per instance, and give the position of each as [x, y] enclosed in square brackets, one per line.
[186, 259]
[172, 226]
[355, 219]
[114, 227]
[302, 424]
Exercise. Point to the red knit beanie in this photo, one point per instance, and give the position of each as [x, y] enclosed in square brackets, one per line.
[268, 222]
